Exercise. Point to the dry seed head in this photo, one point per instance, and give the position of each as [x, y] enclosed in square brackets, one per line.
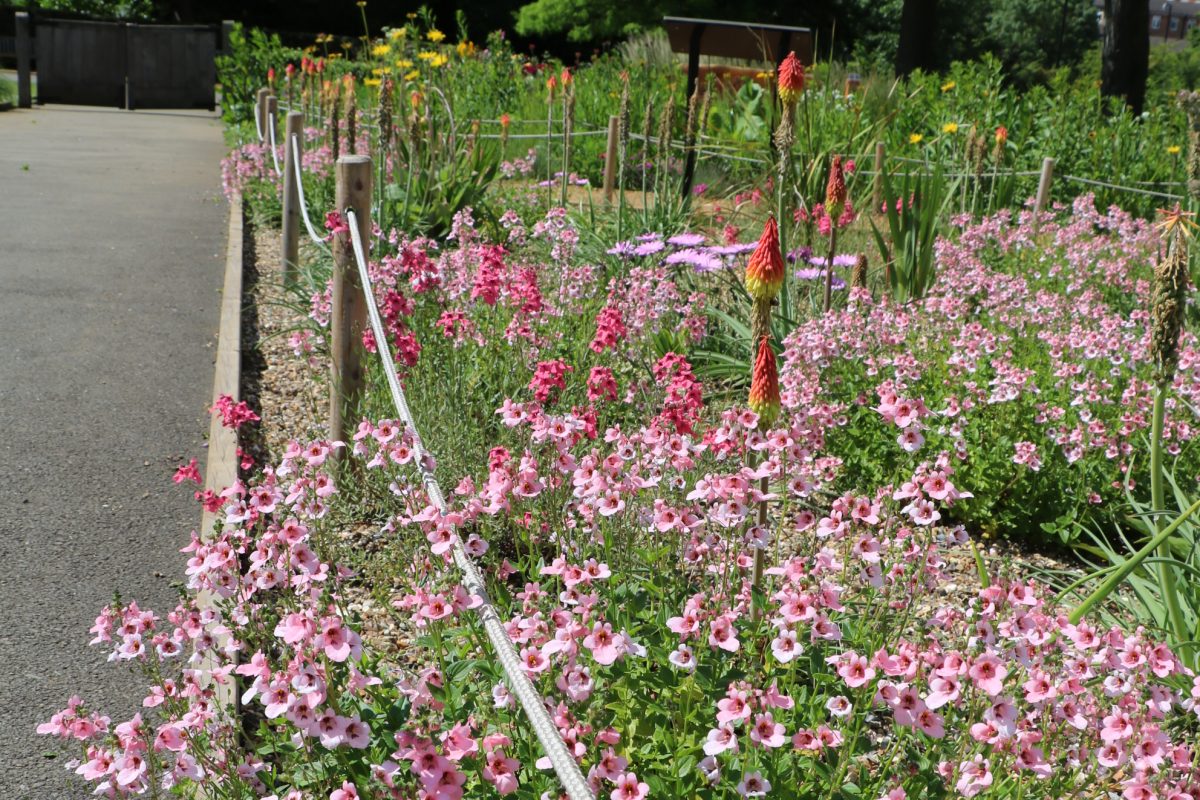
[1168, 297]
[858, 276]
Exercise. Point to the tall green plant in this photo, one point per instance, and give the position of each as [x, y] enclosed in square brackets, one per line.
[243, 70]
[915, 209]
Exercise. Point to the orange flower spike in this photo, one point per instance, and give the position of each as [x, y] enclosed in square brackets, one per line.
[764, 271]
[835, 190]
[505, 121]
[791, 79]
[764, 385]
[1001, 135]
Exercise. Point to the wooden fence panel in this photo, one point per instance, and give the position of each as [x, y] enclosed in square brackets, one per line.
[81, 63]
[172, 66]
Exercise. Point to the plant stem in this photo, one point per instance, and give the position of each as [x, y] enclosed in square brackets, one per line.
[1166, 572]
[1130, 564]
[829, 264]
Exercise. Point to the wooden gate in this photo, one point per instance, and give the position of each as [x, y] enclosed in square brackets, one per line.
[172, 66]
[81, 63]
[125, 65]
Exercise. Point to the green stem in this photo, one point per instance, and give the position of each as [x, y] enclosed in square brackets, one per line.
[1166, 572]
[829, 263]
[1116, 578]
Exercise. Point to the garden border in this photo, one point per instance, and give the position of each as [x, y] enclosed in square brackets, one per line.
[221, 470]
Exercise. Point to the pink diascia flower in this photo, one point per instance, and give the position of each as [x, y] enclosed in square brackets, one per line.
[629, 788]
[347, 792]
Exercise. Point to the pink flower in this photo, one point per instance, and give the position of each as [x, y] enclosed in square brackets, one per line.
[720, 739]
[767, 732]
[854, 669]
[988, 674]
[723, 635]
[975, 776]
[606, 647]
[628, 788]
[753, 784]
[347, 792]
[188, 472]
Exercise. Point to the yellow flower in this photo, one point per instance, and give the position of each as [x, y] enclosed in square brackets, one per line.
[435, 35]
[381, 49]
[465, 49]
[1173, 149]
[948, 86]
[371, 81]
[915, 138]
[427, 55]
[380, 71]
[950, 127]
[412, 76]
[397, 33]
[438, 61]
[404, 63]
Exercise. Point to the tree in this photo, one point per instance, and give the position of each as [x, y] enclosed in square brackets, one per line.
[1125, 62]
[917, 48]
[1033, 37]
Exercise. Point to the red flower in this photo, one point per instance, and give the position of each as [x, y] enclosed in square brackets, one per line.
[764, 271]
[764, 385]
[1001, 135]
[791, 79]
[835, 190]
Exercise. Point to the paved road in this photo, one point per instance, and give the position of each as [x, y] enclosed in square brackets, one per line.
[112, 233]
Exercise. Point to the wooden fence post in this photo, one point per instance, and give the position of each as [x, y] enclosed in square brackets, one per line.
[291, 196]
[877, 184]
[260, 109]
[349, 317]
[610, 157]
[24, 61]
[1043, 192]
[272, 119]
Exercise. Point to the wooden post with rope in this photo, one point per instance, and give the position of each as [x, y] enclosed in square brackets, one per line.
[291, 195]
[349, 317]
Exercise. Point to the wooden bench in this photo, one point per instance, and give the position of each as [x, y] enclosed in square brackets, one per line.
[746, 40]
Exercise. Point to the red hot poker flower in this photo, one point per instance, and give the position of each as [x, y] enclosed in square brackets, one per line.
[764, 385]
[791, 79]
[764, 271]
[835, 190]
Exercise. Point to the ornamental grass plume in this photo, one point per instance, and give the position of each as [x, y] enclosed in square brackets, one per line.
[858, 276]
[764, 271]
[1168, 295]
[334, 121]
[791, 79]
[351, 115]
[1190, 103]
[764, 385]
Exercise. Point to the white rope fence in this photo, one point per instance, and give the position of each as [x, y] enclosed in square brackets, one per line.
[312, 233]
[258, 121]
[534, 706]
[274, 148]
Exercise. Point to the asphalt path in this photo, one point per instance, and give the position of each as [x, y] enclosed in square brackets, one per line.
[112, 230]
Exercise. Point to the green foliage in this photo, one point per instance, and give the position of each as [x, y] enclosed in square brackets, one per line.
[131, 10]
[915, 211]
[1124, 550]
[1034, 37]
[585, 20]
[243, 70]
